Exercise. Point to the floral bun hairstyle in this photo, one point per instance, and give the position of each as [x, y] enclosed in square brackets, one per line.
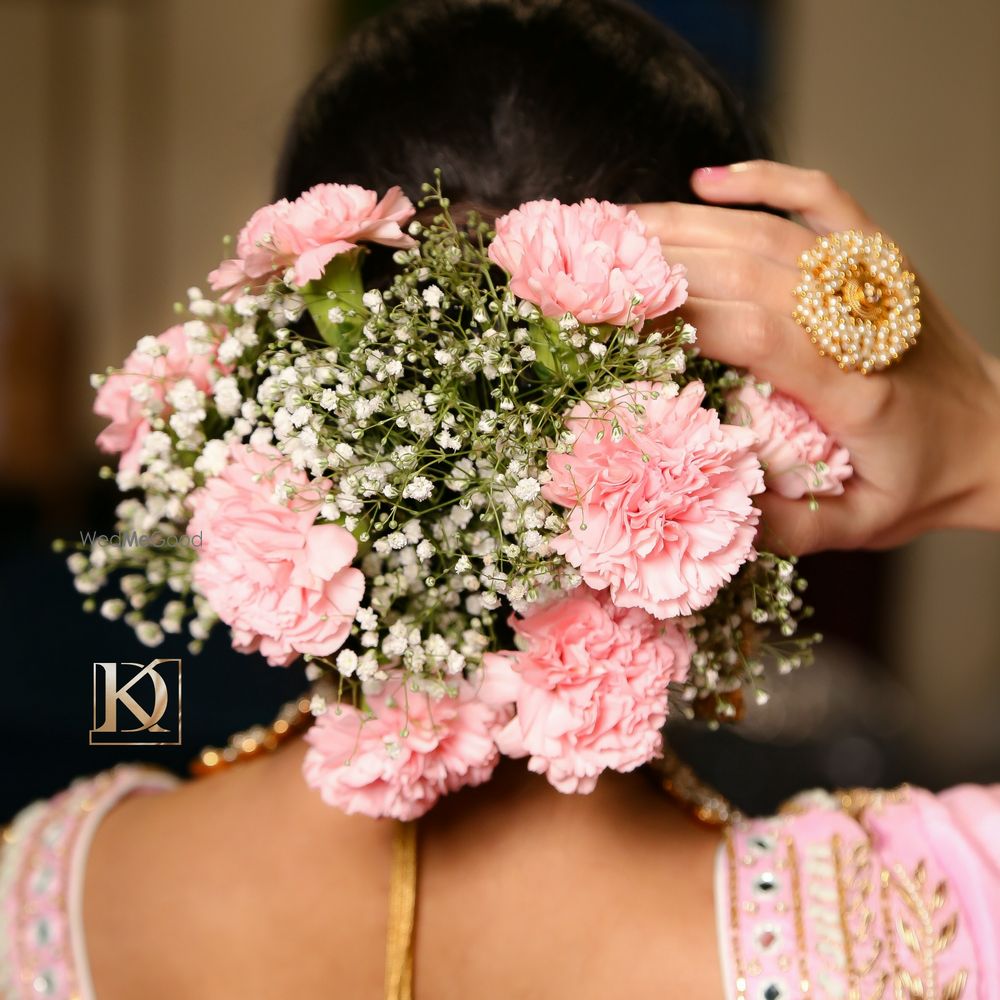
[470, 467]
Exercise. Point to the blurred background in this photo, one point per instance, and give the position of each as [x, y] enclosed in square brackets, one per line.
[136, 132]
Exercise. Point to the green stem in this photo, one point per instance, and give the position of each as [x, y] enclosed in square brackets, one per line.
[342, 277]
[552, 355]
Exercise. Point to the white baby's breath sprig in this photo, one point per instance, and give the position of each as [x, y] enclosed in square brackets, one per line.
[426, 432]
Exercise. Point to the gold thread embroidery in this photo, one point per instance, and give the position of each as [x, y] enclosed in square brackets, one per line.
[857, 917]
[845, 929]
[854, 801]
[850, 801]
[922, 929]
[734, 917]
[925, 942]
[799, 917]
[919, 935]
[885, 880]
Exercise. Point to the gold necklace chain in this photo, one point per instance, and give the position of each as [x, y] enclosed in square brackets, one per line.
[293, 718]
[704, 803]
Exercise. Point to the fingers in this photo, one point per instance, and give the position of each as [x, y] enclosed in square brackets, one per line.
[742, 272]
[736, 275]
[774, 348]
[791, 527]
[821, 202]
[759, 233]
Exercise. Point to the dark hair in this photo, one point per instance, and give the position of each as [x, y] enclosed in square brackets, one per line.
[516, 100]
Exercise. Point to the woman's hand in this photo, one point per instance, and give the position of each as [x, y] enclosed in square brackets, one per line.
[924, 436]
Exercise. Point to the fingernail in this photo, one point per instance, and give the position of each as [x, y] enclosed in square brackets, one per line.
[709, 173]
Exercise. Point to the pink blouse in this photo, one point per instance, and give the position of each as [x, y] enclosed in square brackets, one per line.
[42, 863]
[864, 895]
[857, 896]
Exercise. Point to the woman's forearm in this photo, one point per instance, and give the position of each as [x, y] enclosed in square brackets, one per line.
[980, 508]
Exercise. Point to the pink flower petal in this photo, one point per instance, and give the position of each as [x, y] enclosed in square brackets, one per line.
[592, 260]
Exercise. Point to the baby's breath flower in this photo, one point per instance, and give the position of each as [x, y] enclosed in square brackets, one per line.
[425, 428]
[527, 489]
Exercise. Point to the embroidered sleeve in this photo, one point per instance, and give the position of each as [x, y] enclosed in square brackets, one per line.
[42, 860]
[862, 895]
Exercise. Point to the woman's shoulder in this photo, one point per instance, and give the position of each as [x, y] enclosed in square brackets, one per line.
[249, 876]
[42, 859]
[865, 890]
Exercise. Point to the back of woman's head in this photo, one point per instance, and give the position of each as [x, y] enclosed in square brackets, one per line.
[515, 100]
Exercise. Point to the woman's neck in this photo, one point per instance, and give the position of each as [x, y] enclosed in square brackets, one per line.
[514, 796]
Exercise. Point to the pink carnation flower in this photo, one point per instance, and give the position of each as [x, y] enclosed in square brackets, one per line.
[115, 399]
[401, 761]
[798, 456]
[659, 491]
[591, 259]
[590, 687]
[283, 584]
[306, 234]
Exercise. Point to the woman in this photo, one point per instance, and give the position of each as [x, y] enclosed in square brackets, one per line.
[245, 884]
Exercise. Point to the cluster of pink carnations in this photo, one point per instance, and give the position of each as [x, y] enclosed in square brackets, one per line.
[491, 505]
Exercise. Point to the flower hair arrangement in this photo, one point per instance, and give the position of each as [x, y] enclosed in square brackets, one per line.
[498, 504]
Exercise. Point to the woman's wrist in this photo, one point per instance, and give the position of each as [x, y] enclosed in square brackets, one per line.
[980, 506]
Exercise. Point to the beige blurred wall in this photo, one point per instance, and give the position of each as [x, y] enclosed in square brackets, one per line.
[136, 134]
[899, 100]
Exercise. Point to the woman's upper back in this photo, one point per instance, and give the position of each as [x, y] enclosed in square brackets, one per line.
[220, 890]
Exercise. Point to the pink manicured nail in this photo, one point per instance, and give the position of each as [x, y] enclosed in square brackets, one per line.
[709, 173]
